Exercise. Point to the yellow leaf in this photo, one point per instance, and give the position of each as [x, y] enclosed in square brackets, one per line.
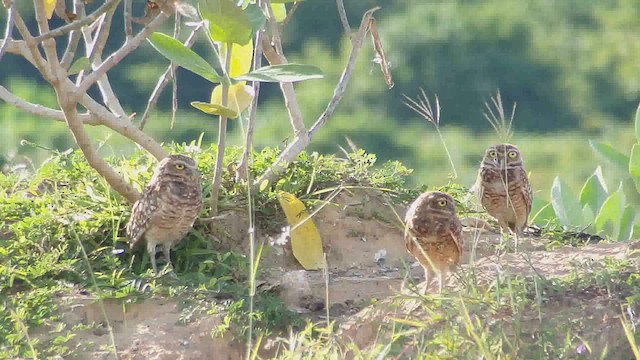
[49, 6]
[305, 238]
[214, 109]
[241, 58]
[279, 12]
[240, 97]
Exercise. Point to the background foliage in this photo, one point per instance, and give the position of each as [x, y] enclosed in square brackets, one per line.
[571, 66]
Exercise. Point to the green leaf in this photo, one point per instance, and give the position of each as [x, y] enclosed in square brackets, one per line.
[82, 64]
[619, 159]
[637, 123]
[625, 231]
[283, 73]
[542, 212]
[227, 22]
[566, 204]
[215, 109]
[634, 165]
[588, 215]
[182, 56]
[594, 192]
[608, 219]
[257, 18]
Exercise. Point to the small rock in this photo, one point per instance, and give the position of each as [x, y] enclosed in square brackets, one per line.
[295, 287]
[380, 256]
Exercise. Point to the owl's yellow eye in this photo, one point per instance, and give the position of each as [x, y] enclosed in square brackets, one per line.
[512, 154]
[179, 166]
[442, 203]
[493, 154]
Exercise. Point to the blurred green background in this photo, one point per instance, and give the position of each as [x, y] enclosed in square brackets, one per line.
[572, 67]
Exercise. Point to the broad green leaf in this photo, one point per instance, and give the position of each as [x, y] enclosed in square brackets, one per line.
[240, 97]
[241, 58]
[566, 204]
[625, 231]
[305, 237]
[608, 219]
[588, 215]
[227, 22]
[608, 152]
[637, 123]
[257, 18]
[182, 56]
[283, 73]
[49, 6]
[82, 64]
[634, 165]
[541, 212]
[214, 109]
[279, 12]
[594, 192]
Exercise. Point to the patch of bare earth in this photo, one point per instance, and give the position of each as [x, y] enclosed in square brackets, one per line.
[367, 260]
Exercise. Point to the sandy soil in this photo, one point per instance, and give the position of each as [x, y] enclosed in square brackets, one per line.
[356, 233]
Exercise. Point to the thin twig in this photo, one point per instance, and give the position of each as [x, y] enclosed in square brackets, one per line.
[248, 140]
[289, 16]
[128, 24]
[49, 45]
[174, 82]
[75, 25]
[164, 79]
[222, 132]
[343, 18]
[38, 61]
[121, 53]
[301, 141]
[8, 33]
[288, 92]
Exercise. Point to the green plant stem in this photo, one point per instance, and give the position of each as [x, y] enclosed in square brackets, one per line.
[446, 149]
[222, 132]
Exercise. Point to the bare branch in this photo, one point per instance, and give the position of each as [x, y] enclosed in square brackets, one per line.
[288, 92]
[43, 111]
[8, 33]
[84, 143]
[121, 53]
[292, 11]
[301, 141]
[36, 57]
[20, 47]
[128, 24]
[164, 79]
[75, 25]
[174, 78]
[343, 18]
[241, 170]
[74, 38]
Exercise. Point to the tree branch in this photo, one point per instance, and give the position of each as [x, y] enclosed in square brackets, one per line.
[241, 170]
[343, 18]
[38, 61]
[84, 143]
[128, 24]
[164, 79]
[8, 33]
[288, 92]
[302, 141]
[43, 111]
[121, 53]
[75, 25]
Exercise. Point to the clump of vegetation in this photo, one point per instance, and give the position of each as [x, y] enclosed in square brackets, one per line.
[62, 226]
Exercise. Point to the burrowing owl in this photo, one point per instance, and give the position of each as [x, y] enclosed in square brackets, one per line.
[503, 188]
[433, 234]
[168, 207]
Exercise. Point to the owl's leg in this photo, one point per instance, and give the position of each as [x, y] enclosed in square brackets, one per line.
[151, 249]
[427, 281]
[167, 255]
[440, 281]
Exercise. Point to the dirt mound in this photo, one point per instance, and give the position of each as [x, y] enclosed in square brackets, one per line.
[367, 259]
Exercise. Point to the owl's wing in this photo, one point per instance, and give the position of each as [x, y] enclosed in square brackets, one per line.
[141, 213]
[527, 192]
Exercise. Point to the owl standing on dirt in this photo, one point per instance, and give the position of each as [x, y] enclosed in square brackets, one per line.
[168, 207]
[433, 234]
[503, 188]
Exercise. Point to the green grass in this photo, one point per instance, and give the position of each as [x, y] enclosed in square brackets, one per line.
[60, 226]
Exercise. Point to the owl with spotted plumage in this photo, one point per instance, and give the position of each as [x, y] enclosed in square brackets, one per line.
[503, 188]
[169, 206]
[433, 234]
